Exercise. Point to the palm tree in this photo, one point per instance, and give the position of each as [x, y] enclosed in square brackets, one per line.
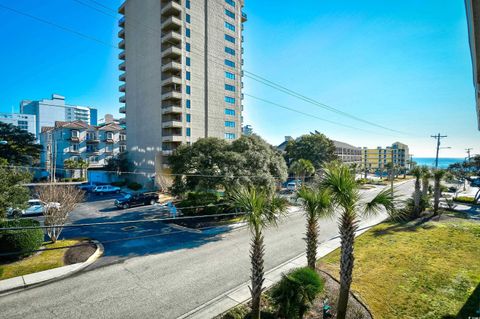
[426, 175]
[417, 194]
[345, 196]
[302, 168]
[437, 175]
[316, 204]
[261, 210]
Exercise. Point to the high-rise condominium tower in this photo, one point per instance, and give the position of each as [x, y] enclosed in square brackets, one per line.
[182, 68]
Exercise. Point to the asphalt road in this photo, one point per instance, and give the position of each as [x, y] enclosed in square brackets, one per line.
[167, 275]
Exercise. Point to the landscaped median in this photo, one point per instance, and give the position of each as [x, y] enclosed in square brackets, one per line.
[417, 270]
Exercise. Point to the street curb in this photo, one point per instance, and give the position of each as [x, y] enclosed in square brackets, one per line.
[241, 294]
[12, 285]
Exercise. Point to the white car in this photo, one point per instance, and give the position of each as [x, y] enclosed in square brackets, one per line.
[106, 189]
[35, 207]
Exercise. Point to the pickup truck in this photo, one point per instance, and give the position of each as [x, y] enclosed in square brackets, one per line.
[140, 199]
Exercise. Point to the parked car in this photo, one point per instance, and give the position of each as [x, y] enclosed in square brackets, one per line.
[35, 207]
[87, 188]
[106, 189]
[475, 183]
[140, 199]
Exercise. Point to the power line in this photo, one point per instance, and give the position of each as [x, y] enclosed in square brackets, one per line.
[438, 137]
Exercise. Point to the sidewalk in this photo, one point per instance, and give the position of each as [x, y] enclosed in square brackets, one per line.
[22, 282]
[241, 294]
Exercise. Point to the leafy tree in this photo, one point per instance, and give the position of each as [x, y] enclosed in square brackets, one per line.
[18, 146]
[345, 196]
[12, 193]
[72, 165]
[437, 175]
[316, 204]
[212, 163]
[302, 168]
[315, 147]
[295, 293]
[261, 210]
[119, 163]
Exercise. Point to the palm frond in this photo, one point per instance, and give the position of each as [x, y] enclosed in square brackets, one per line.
[387, 200]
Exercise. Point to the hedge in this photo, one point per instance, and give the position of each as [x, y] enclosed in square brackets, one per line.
[464, 199]
[25, 241]
[134, 186]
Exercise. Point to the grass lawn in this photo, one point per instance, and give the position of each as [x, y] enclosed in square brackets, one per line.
[46, 260]
[426, 271]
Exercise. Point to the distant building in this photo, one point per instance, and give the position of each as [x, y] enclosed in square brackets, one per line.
[247, 130]
[47, 112]
[377, 158]
[24, 121]
[347, 153]
[79, 140]
[473, 21]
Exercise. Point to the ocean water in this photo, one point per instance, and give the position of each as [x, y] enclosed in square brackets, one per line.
[443, 162]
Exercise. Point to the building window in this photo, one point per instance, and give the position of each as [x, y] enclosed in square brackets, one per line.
[189, 132]
[189, 89]
[229, 112]
[123, 137]
[230, 100]
[229, 136]
[229, 26]
[229, 87]
[229, 38]
[230, 13]
[91, 148]
[229, 51]
[188, 75]
[74, 147]
[187, 18]
[230, 75]
[187, 32]
[75, 134]
[109, 148]
[188, 104]
[230, 2]
[187, 47]
[93, 159]
[109, 136]
[23, 125]
[229, 124]
[187, 4]
[229, 63]
[189, 118]
[188, 61]
[122, 148]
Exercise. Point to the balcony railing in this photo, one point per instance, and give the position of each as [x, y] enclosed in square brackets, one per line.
[172, 37]
[121, 22]
[172, 79]
[171, 7]
[122, 88]
[121, 10]
[244, 17]
[172, 138]
[121, 34]
[122, 110]
[122, 77]
[122, 99]
[122, 66]
[172, 124]
[121, 44]
[172, 23]
[172, 95]
[121, 55]
[172, 110]
[172, 52]
[172, 66]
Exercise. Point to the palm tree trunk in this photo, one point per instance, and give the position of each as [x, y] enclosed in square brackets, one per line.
[425, 187]
[436, 202]
[348, 226]
[416, 198]
[257, 251]
[312, 241]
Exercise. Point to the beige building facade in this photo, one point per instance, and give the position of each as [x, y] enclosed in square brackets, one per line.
[181, 64]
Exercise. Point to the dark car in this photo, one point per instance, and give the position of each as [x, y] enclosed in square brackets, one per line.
[141, 199]
[87, 188]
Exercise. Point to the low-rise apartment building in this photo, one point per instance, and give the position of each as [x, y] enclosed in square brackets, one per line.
[78, 140]
[348, 154]
[376, 159]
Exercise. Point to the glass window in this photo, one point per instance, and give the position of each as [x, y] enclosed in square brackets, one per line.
[188, 104]
[229, 26]
[229, 87]
[188, 75]
[229, 124]
[230, 2]
[188, 18]
[229, 38]
[189, 89]
[230, 13]
[229, 75]
[187, 47]
[189, 118]
[229, 136]
[229, 112]
[188, 61]
[230, 100]
[229, 63]
[187, 4]
[187, 32]
[189, 132]
[229, 51]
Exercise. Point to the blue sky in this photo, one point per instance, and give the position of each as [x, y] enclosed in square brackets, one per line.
[405, 66]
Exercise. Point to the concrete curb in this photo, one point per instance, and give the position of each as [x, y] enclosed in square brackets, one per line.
[15, 284]
[241, 293]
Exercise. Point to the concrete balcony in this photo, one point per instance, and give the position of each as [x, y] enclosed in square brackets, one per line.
[172, 80]
[172, 110]
[172, 52]
[172, 138]
[172, 95]
[172, 36]
[121, 22]
[244, 17]
[121, 45]
[121, 34]
[121, 56]
[172, 23]
[167, 153]
[92, 140]
[172, 124]
[122, 99]
[122, 77]
[121, 10]
[122, 110]
[172, 66]
[172, 7]
[122, 88]
[122, 66]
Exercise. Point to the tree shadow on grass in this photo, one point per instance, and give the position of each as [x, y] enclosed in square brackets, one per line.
[405, 226]
[471, 308]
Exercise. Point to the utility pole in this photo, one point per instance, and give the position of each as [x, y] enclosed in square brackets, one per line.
[438, 137]
[468, 150]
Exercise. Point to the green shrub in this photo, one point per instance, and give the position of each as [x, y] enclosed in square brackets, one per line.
[465, 199]
[134, 186]
[206, 203]
[13, 241]
[294, 294]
